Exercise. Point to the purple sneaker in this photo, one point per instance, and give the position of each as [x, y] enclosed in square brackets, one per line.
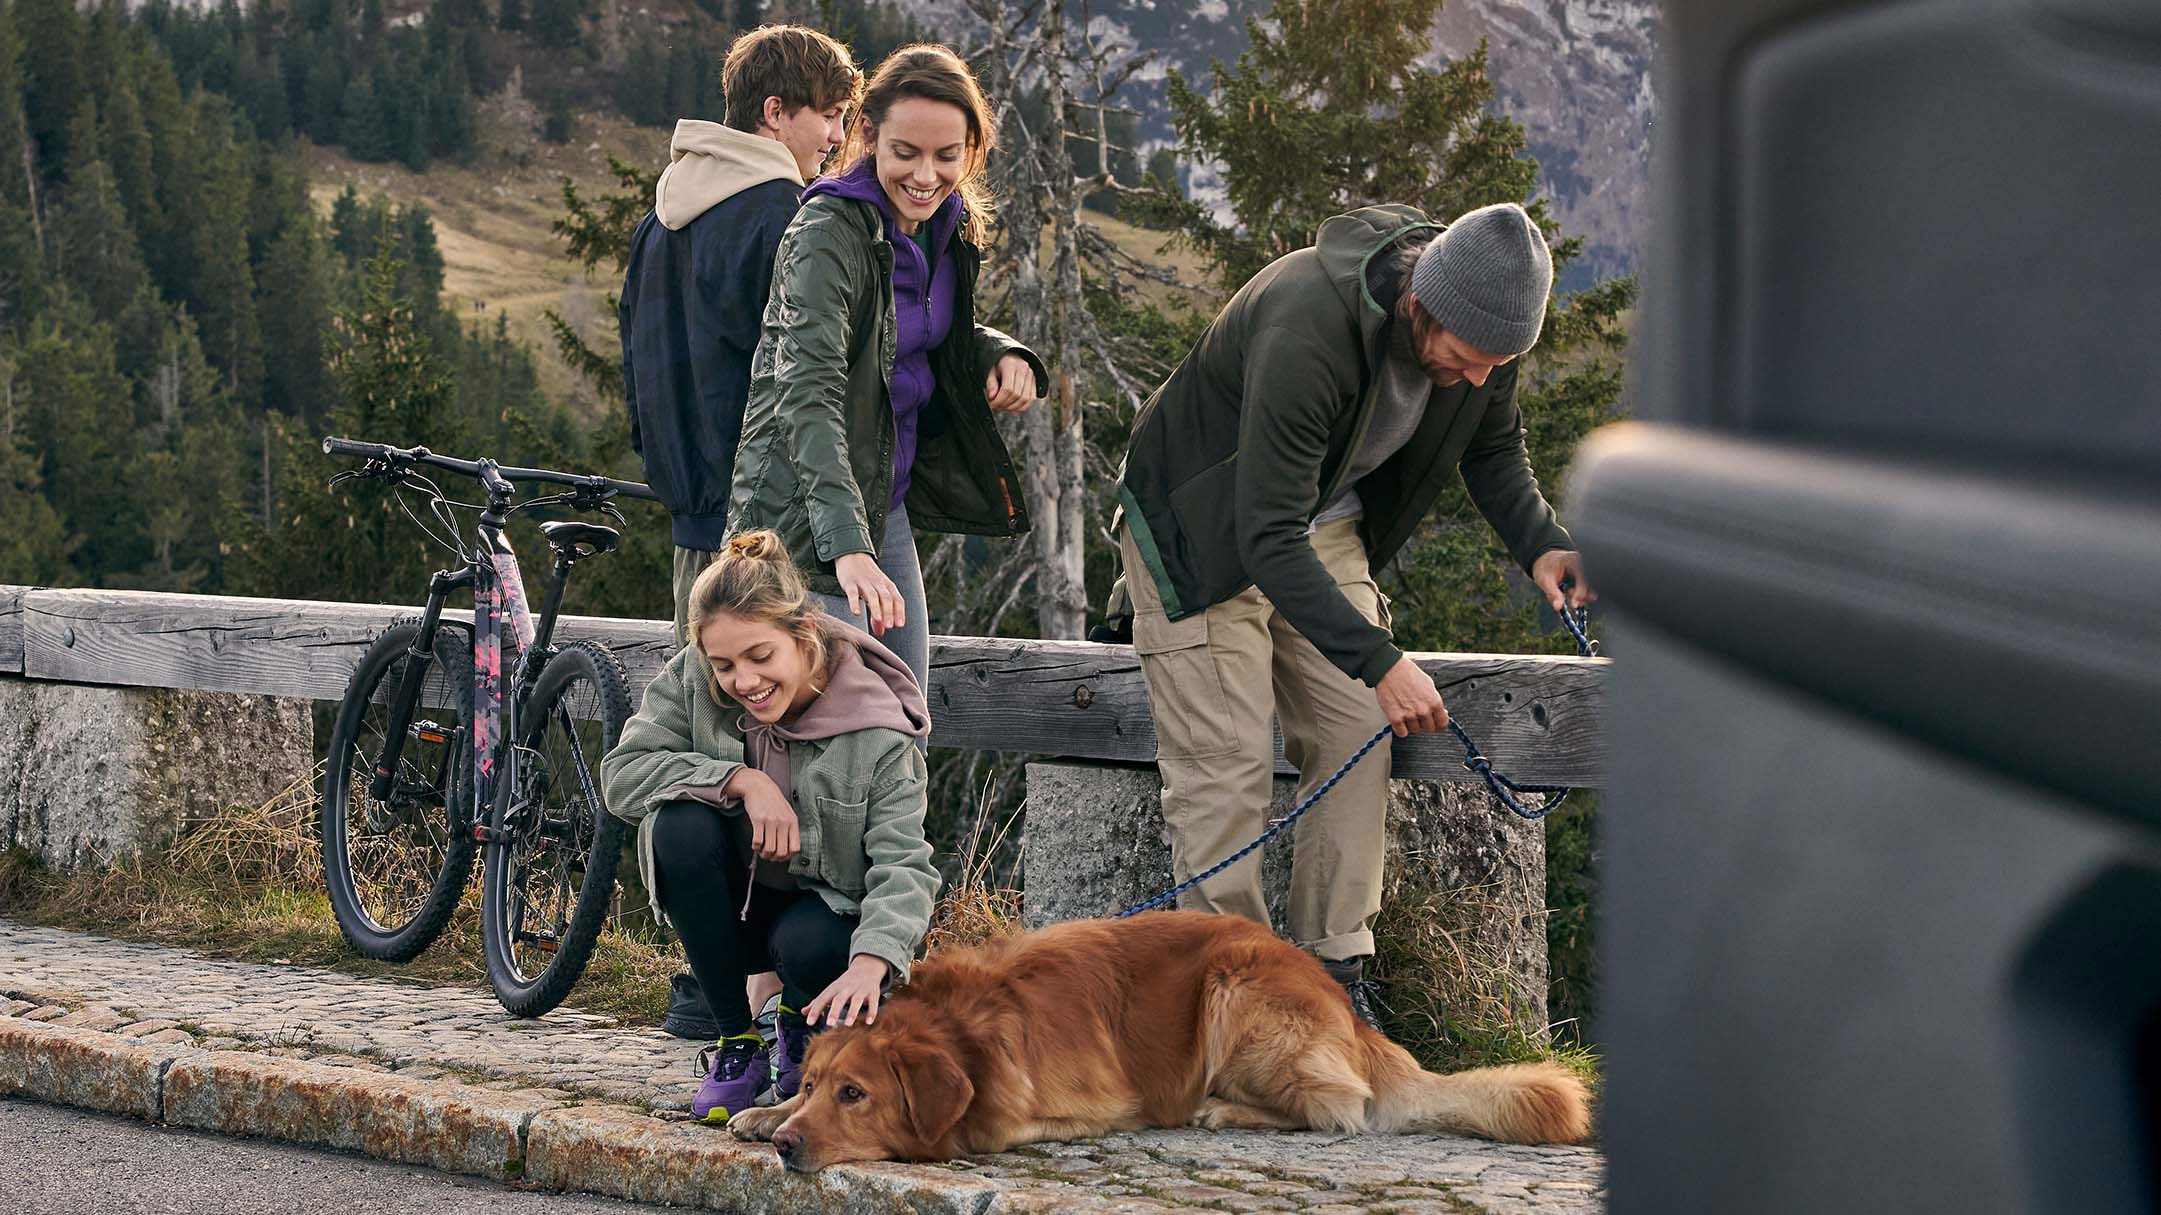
[733, 1071]
[788, 1053]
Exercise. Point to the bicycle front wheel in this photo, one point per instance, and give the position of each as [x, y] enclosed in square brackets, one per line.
[397, 850]
[551, 864]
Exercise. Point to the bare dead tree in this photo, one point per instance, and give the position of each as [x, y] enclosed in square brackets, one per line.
[1046, 257]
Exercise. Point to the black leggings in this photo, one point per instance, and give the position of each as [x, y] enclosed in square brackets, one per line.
[703, 872]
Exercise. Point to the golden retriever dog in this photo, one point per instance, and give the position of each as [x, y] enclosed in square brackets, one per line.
[1170, 1018]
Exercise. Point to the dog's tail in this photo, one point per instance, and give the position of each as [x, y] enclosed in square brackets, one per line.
[1515, 1103]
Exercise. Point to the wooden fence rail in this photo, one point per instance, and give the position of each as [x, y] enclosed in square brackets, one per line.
[1536, 716]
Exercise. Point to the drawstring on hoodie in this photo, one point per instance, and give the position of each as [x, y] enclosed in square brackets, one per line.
[866, 686]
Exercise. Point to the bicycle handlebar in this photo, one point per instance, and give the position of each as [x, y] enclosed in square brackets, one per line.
[354, 449]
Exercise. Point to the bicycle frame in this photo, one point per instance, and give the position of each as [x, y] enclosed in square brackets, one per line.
[498, 586]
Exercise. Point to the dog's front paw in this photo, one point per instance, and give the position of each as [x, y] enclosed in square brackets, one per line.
[757, 1123]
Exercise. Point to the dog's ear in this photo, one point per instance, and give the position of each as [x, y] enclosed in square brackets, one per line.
[934, 1088]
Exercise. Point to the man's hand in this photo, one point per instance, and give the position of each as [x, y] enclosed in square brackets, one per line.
[1410, 700]
[1558, 565]
[1012, 386]
[856, 990]
[869, 590]
[774, 833]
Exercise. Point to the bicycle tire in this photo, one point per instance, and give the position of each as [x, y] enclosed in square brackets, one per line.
[576, 715]
[431, 810]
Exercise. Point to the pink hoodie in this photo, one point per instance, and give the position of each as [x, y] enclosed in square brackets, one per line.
[867, 687]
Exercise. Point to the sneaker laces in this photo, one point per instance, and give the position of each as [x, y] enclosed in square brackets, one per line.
[735, 1056]
[1361, 993]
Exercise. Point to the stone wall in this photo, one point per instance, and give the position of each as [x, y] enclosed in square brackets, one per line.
[91, 774]
[1460, 869]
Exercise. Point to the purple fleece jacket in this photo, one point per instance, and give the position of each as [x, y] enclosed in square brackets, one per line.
[922, 305]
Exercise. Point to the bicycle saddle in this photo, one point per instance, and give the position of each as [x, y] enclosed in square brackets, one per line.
[568, 533]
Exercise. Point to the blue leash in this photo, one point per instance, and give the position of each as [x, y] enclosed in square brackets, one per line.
[1577, 621]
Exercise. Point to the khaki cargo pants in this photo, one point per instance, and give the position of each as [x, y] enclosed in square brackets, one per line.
[1214, 680]
[689, 563]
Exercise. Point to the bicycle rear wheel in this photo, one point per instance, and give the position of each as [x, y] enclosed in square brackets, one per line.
[551, 878]
[395, 867]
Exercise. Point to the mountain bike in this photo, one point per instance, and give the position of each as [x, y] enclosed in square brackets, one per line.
[436, 756]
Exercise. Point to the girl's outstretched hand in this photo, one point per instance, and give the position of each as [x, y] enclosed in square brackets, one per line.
[855, 991]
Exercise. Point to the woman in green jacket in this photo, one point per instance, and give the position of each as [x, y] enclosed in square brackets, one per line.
[775, 775]
[872, 390]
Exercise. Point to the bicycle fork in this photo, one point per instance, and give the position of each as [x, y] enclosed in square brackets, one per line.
[382, 781]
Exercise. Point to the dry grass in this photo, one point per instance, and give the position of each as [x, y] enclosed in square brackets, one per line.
[1447, 991]
[976, 906]
[247, 884]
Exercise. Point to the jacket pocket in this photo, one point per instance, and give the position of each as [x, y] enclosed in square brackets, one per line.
[1192, 714]
[1205, 506]
[842, 862]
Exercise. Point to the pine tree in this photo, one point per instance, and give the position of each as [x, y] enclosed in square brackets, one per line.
[555, 122]
[34, 546]
[53, 70]
[510, 16]
[323, 73]
[131, 154]
[295, 307]
[223, 293]
[93, 244]
[351, 543]
[1328, 109]
[556, 22]
[690, 90]
[77, 412]
[642, 93]
[366, 129]
[351, 236]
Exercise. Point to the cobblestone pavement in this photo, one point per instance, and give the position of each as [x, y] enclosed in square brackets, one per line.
[163, 994]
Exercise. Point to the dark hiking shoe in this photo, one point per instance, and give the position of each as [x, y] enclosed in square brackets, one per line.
[732, 1072]
[795, 1035]
[688, 1014]
[1351, 973]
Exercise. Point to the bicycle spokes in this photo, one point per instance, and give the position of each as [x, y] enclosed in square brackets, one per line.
[397, 844]
[555, 810]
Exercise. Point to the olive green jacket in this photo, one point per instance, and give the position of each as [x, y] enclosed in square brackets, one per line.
[859, 799]
[816, 459]
[1248, 438]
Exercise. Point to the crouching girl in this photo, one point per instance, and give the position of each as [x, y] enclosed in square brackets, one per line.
[775, 778]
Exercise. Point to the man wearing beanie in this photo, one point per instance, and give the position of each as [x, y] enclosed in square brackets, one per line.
[1291, 455]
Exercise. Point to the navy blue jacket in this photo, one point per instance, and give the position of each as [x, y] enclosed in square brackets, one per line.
[692, 301]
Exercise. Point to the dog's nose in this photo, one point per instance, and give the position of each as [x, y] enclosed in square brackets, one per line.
[788, 1141]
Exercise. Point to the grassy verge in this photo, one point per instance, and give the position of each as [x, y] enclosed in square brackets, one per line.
[248, 885]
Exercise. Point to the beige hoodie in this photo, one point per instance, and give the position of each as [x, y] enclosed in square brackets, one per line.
[709, 163]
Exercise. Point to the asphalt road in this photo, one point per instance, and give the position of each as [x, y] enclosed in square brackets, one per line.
[60, 1161]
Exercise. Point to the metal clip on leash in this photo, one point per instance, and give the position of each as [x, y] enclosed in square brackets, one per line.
[1578, 622]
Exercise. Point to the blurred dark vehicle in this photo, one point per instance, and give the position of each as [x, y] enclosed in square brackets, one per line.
[1884, 829]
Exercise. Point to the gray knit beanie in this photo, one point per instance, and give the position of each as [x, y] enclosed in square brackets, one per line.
[1486, 278]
